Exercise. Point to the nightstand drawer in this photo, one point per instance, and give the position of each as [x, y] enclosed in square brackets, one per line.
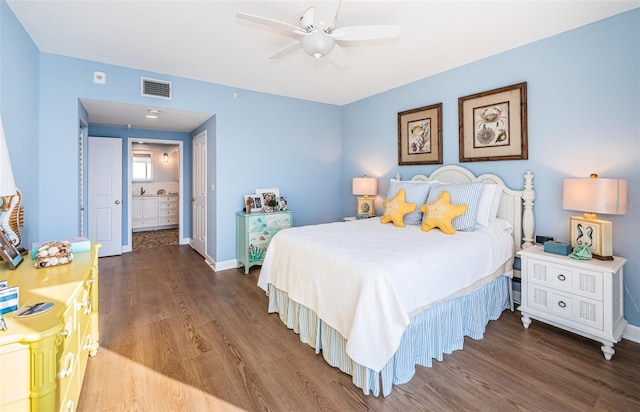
[587, 283]
[565, 305]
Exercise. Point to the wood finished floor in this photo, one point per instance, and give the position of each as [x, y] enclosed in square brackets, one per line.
[177, 336]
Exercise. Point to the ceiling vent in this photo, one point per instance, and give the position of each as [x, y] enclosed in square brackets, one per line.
[156, 88]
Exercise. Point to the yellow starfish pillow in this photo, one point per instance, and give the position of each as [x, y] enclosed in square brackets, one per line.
[440, 214]
[396, 208]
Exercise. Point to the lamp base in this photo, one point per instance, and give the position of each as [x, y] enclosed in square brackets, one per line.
[596, 234]
[601, 257]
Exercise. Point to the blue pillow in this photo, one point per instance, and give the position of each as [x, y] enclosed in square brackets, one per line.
[415, 192]
[461, 194]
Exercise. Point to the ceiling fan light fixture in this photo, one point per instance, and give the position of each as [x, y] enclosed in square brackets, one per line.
[317, 44]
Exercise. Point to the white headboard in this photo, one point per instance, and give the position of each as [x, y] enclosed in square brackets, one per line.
[516, 206]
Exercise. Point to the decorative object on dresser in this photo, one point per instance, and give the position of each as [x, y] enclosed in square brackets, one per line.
[47, 352]
[420, 136]
[493, 125]
[8, 251]
[254, 232]
[269, 199]
[11, 210]
[365, 187]
[594, 195]
[583, 297]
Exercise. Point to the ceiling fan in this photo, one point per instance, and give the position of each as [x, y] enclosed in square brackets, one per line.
[318, 33]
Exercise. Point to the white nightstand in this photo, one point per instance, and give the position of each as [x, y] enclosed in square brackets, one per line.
[582, 296]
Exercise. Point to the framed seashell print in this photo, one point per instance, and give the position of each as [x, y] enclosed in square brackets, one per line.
[493, 125]
[420, 136]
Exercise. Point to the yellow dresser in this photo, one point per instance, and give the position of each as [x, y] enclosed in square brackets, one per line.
[43, 357]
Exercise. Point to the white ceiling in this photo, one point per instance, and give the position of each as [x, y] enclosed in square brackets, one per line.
[203, 40]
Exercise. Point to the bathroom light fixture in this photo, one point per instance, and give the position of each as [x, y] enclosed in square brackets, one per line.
[153, 114]
[165, 157]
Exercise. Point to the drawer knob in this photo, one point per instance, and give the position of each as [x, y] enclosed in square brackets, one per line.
[562, 304]
[562, 277]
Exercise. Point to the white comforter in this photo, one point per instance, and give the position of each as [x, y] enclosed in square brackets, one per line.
[366, 279]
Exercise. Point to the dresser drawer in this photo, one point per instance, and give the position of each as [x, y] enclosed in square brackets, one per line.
[263, 237]
[582, 282]
[170, 220]
[571, 307]
[272, 221]
[167, 212]
[167, 200]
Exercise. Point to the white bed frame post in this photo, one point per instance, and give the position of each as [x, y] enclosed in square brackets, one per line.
[528, 220]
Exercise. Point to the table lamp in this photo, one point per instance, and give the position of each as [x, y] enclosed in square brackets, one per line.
[365, 187]
[593, 195]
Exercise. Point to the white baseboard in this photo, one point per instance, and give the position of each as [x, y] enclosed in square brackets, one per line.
[218, 266]
[632, 333]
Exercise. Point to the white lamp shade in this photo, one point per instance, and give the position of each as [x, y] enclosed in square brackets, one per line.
[367, 186]
[595, 195]
[7, 183]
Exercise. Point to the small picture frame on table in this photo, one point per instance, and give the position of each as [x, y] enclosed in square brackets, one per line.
[253, 203]
[365, 206]
[8, 251]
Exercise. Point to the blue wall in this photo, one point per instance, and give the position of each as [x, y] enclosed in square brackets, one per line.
[19, 90]
[583, 117]
[583, 110]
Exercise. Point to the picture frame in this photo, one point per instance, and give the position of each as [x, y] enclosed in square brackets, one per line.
[493, 125]
[255, 201]
[8, 251]
[594, 233]
[268, 195]
[365, 207]
[420, 136]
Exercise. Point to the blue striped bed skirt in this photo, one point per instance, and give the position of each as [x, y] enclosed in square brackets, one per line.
[433, 332]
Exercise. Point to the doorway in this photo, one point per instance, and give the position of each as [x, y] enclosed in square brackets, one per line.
[155, 188]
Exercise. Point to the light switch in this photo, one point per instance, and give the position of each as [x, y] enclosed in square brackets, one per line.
[213, 187]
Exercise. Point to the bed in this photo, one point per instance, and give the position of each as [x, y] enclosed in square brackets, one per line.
[378, 299]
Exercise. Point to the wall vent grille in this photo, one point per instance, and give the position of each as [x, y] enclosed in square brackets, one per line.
[156, 88]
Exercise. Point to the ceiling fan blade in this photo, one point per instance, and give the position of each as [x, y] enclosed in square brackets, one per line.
[339, 57]
[325, 13]
[267, 22]
[356, 33]
[289, 49]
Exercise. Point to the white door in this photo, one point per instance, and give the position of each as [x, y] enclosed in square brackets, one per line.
[199, 194]
[105, 194]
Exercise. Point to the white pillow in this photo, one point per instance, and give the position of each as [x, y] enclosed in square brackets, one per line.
[496, 203]
[484, 206]
[415, 192]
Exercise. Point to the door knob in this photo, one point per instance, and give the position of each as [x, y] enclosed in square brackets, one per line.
[193, 199]
[117, 202]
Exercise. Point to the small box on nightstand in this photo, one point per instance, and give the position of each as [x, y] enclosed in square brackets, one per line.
[557, 248]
